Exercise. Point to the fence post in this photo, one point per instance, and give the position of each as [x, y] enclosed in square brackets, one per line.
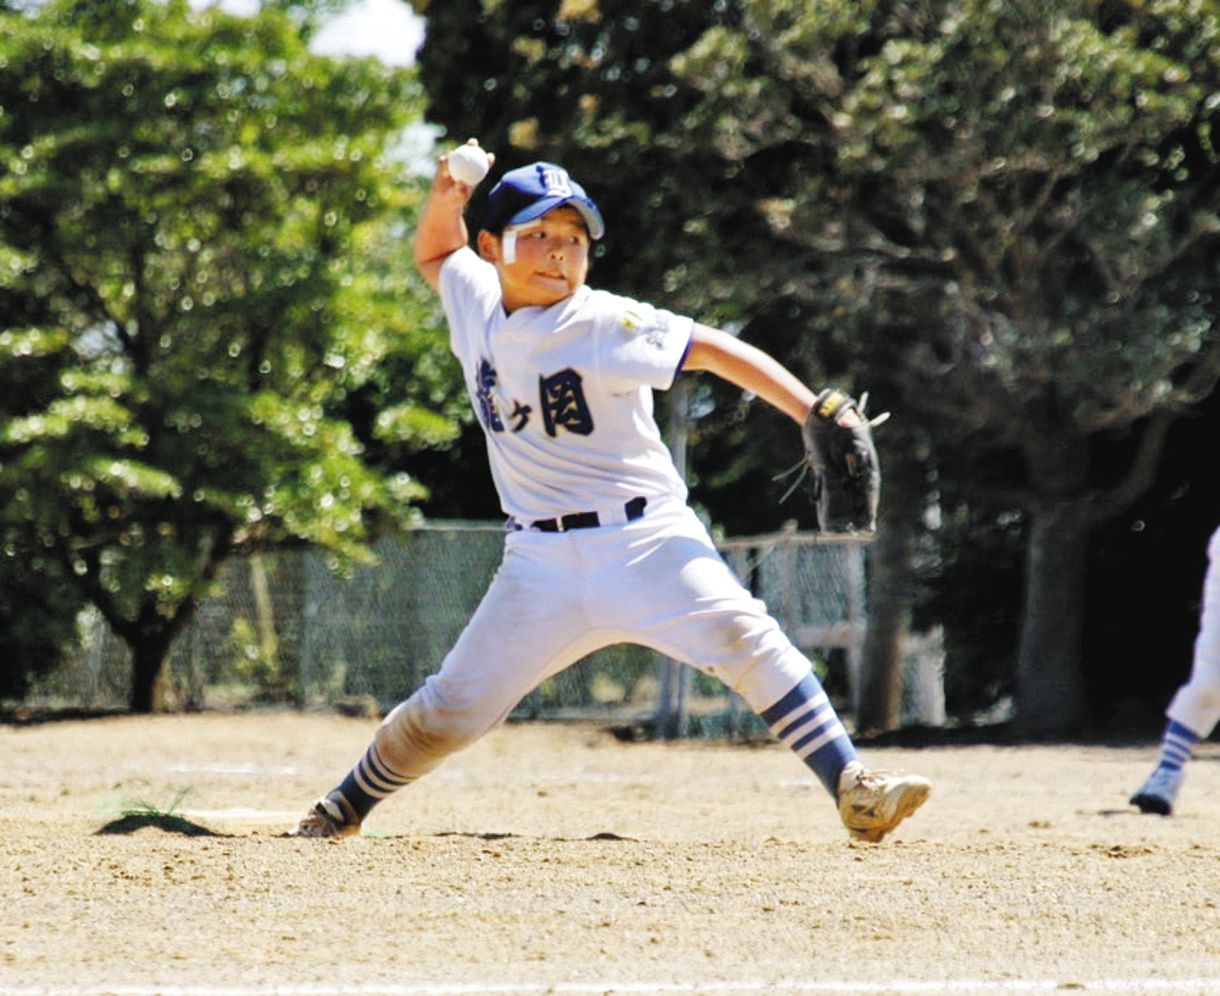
[673, 709]
[857, 620]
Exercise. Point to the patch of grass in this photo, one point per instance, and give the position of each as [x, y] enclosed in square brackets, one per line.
[140, 814]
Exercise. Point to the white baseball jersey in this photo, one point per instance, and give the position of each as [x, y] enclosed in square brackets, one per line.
[564, 394]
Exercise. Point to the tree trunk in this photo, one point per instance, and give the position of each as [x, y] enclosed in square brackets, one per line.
[890, 591]
[1049, 682]
[148, 658]
[150, 639]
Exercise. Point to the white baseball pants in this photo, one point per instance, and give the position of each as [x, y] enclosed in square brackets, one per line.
[657, 581]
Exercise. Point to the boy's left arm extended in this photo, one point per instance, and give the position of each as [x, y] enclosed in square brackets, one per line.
[839, 452]
[750, 369]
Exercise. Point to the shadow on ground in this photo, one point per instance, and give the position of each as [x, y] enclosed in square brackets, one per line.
[131, 822]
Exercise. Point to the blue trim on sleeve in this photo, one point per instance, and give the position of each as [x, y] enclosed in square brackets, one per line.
[690, 341]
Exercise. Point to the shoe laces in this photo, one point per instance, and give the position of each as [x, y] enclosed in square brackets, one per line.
[869, 779]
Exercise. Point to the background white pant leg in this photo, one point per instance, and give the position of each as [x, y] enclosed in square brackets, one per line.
[1197, 703]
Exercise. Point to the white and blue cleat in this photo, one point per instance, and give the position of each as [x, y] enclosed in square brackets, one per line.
[1158, 793]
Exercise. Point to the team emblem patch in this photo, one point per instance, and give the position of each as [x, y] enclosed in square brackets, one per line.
[654, 334]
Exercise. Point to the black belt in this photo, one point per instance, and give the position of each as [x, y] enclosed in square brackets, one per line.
[633, 509]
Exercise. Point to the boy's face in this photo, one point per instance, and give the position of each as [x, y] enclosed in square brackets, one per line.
[548, 262]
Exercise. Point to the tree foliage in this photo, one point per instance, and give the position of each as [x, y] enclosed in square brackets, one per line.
[1025, 226]
[1001, 217]
[200, 241]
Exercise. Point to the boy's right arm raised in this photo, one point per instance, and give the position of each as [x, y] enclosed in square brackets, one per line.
[442, 227]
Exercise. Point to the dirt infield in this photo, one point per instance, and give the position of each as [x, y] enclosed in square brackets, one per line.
[556, 859]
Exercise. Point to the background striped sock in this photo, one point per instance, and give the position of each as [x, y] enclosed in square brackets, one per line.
[1176, 745]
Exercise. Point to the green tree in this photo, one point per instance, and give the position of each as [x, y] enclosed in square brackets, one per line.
[1030, 197]
[1001, 217]
[211, 219]
[38, 607]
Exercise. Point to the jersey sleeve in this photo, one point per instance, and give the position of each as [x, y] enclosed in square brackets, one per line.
[643, 346]
[469, 290]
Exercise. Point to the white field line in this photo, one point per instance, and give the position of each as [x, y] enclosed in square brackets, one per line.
[611, 987]
[230, 768]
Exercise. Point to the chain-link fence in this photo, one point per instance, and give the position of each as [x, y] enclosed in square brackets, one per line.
[286, 628]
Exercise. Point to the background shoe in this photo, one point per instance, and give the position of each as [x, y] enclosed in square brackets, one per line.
[330, 816]
[1157, 794]
[872, 803]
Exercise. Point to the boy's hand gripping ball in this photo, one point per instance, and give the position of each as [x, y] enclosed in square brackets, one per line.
[468, 164]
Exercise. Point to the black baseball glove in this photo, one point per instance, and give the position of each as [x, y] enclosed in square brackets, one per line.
[840, 455]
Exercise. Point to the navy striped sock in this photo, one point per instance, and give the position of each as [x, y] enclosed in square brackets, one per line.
[807, 723]
[1176, 745]
[370, 781]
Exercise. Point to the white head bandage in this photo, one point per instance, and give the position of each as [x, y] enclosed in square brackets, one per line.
[508, 240]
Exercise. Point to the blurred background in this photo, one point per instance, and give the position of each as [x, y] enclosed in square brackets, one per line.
[237, 465]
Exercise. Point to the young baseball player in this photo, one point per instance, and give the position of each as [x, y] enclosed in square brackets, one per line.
[1195, 708]
[601, 546]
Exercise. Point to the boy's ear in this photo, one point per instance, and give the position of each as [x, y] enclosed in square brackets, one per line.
[489, 246]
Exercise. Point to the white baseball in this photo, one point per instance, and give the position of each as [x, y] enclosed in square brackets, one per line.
[468, 164]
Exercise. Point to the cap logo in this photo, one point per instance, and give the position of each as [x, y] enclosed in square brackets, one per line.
[556, 182]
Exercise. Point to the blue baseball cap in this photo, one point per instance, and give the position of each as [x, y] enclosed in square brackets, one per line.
[529, 192]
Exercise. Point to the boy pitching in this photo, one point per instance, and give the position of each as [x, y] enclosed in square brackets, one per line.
[600, 546]
[1195, 708]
